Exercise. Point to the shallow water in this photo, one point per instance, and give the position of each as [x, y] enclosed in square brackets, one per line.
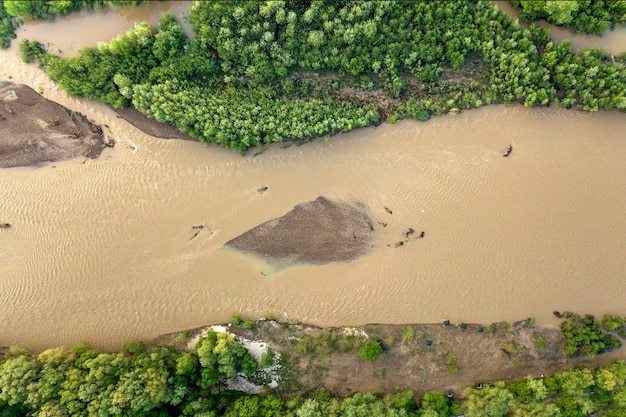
[100, 251]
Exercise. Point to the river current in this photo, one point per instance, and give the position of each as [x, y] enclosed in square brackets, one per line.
[101, 250]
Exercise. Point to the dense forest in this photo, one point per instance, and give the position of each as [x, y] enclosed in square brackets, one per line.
[158, 381]
[589, 16]
[263, 72]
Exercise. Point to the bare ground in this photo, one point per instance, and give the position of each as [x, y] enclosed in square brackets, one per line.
[34, 130]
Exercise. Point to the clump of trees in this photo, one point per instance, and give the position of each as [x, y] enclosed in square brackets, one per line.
[577, 392]
[8, 24]
[584, 335]
[581, 15]
[264, 72]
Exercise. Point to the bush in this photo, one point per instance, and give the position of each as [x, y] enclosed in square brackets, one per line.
[236, 319]
[267, 360]
[540, 342]
[248, 324]
[612, 323]
[371, 351]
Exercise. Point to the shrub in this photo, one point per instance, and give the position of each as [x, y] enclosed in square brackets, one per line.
[248, 324]
[236, 319]
[371, 351]
[540, 342]
[408, 334]
[452, 368]
[612, 323]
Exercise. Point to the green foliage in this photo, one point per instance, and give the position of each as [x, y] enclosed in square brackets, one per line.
[584, 337]
[491, 400]
[248, 324]
[581, 15]
[267, 360]
[436, 403]
[8, 24]
[613, 323]
[236, 319]
[408, 334]
[371, 350]
[540, 342]
[31, 51]
[452, 368]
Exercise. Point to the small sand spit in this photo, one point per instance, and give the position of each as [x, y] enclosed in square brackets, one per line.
[316, 232]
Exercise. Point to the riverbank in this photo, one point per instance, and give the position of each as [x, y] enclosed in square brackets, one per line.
[418, 357]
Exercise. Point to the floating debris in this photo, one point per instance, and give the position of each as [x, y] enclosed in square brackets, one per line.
[507, 151]
[398, 244]
[408, 232]
[262, 189]
[388, 210]
[198, 229]
[5, 225]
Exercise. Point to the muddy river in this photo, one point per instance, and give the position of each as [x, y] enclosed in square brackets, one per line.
[101, 250]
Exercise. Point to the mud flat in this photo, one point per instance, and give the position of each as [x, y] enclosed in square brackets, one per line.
[34, 130]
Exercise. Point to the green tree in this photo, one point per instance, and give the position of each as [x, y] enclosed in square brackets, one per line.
[371, 350]
[491, 400]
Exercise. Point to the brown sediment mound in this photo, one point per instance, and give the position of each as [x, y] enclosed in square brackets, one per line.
[34, 130]
[316, 232]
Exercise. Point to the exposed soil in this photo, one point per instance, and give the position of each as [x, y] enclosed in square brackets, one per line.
[457, 357]
[316, 232]
[151, 126]
[34, 130]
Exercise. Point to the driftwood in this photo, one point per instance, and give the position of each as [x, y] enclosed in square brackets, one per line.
[507, 151]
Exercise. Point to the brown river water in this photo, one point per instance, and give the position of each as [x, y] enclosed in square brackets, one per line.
[100, 250]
